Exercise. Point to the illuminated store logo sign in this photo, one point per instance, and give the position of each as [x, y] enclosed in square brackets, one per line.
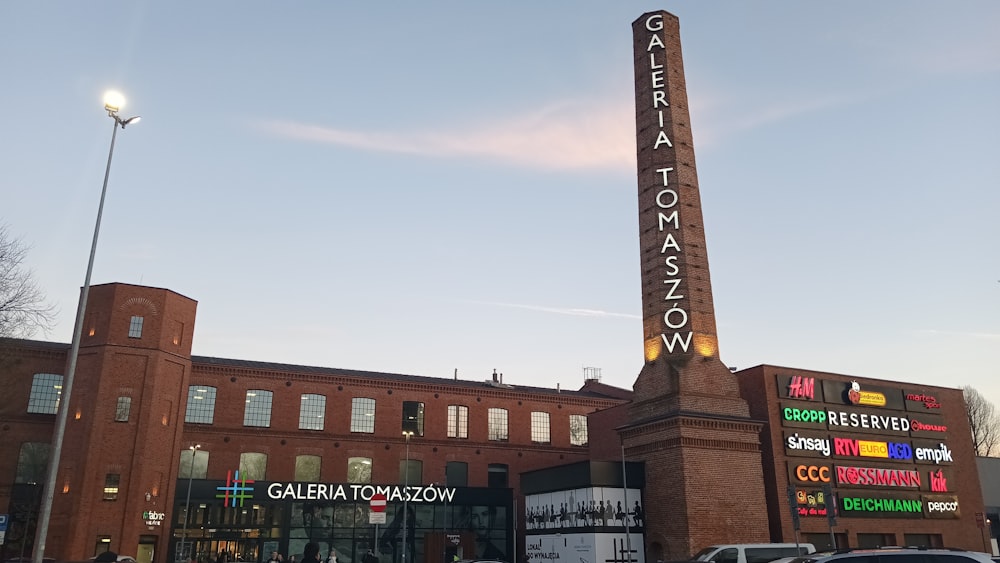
[939, 484]
[868, 421]
[876, 477]
[802, 387]
[941, 507]
[804, 443]
[236, 490]
[918, 426]
[151, 518]
[810, 503]
[869, 398]
[868, 448]
[928, 401]
[333, 491]
[812, 473]
[867, 506]
[939, 454]
[793, 414]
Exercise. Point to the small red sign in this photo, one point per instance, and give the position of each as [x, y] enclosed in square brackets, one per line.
[377, 503]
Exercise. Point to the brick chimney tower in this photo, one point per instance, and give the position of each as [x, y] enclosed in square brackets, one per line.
[704, 482]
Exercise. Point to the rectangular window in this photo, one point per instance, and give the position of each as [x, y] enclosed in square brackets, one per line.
[103, 544]
[201, 405]
[32, 463]
[307, 468]
[45, 391]
[111, 481]
[258, 408]
[497, 419]
[411, 473]
[413, 417]
[135, 327]
[496, 477]
[359, 470]
[363, 415]
[458, 421]
[456, 473]
[193, 465]
[540, 431]
[253, 465]
[123, 409]
[312, 410]
[577, 430]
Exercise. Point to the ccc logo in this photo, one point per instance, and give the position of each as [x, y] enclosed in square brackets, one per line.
[814, 473]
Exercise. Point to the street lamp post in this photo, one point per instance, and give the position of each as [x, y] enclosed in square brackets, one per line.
[187, 503]
[406, 491]
[113, 102]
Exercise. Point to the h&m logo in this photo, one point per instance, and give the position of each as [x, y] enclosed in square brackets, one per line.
[800, 387]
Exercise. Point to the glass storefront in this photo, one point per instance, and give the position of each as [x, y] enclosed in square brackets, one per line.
[249, 524]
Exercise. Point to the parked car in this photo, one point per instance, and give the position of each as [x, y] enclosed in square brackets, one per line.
[898, 554]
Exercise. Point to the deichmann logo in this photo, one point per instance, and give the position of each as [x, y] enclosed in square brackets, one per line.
[854, 505]
[235, 489]
[858, 397]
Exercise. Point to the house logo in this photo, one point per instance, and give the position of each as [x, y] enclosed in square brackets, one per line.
[236, 489]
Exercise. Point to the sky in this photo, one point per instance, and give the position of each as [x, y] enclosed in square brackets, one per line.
[449, 187]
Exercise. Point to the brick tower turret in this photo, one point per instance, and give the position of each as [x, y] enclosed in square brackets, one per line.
[704, 482]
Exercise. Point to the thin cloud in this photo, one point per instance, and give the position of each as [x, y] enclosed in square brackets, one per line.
[960, 334]
[567, 136]
[575, 312]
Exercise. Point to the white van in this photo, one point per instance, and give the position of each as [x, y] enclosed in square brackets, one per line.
[752, 552]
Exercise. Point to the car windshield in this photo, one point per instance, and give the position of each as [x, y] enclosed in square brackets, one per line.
[703, 554]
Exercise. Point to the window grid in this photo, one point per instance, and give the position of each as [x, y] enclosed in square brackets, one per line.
[458, 421]
[307, 467]
[540, 430]
[45, 391]
[498, 429]
[111, 482]
[201, 405]
[578, 430]
[258, 408]
[413, 417]
[312, 410]
[123, 409]
[363, 415]
[253, 465]
[135, 327]
[32, 462]
[359, 470]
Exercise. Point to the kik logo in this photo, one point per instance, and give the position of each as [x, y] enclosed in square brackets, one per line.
[236, 489]
[939, 483]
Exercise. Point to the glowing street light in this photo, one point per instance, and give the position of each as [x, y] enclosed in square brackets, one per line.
[113, 102]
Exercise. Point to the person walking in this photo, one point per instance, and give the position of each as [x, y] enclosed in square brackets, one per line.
[332, 558]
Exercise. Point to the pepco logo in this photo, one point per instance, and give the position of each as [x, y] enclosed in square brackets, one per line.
[812, 473]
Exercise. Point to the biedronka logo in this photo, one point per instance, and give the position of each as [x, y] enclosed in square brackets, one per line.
[235, 489]
[858, 397]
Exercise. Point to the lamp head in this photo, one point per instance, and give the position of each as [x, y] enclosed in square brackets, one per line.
[113, 101]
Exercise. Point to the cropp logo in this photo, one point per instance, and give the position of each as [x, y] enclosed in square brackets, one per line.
[235, 490]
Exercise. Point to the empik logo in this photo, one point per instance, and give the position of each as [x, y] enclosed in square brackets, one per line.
[235, 489]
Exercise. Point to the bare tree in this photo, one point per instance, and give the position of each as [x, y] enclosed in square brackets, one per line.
[983, 420]
[22, 304]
